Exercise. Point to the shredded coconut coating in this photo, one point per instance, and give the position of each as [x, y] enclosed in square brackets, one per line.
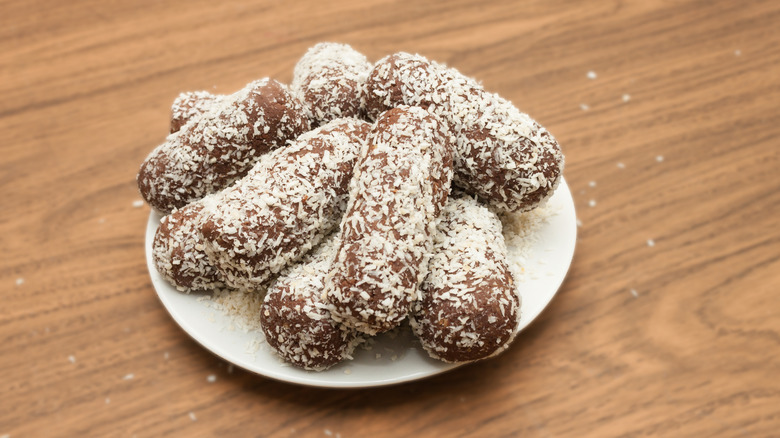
[191, 104]
[285, 206]
[401, 183]
[501, 154]
[469, 309]
[330, 80]
[214, 150]
[177, 251]
[295, 320]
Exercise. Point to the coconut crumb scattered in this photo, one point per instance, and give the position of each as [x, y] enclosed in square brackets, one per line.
[193, 417]
[368, 344]
[347, 371]
[5, 436]
[253, 346]
[241, 306]
[138, 203]
[328, 432]
[659, 158]
[626, 97]
[128, 377]
[520, 234]
[579, 223]
[591, 75]
[166, 355]
[108, 400]
[72, 359]
[737, 52]
[634, 293]
[620, 165]
[592, 203]
[19, 281]
[211, 378]
[592, 184]
[584, 106]
[650, 243]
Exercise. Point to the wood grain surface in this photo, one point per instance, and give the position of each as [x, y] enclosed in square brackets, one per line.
[674, 142]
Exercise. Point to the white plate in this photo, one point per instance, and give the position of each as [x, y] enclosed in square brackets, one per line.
[402, 359]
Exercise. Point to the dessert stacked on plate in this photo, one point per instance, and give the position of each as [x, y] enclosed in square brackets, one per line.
[358, 197]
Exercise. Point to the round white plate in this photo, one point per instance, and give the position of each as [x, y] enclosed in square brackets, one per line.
[391, 359]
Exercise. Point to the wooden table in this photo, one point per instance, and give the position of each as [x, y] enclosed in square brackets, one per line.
[666, 326]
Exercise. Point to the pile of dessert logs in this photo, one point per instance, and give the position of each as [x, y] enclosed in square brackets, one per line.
[357, 197]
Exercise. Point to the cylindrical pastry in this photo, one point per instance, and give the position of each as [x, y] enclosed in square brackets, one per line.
[400, 184]
[296, 321]
[221, 146]
[177, 251]
[330, 80]
[469, 309]
[501, 154]
[289, 201]
[190, 104]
